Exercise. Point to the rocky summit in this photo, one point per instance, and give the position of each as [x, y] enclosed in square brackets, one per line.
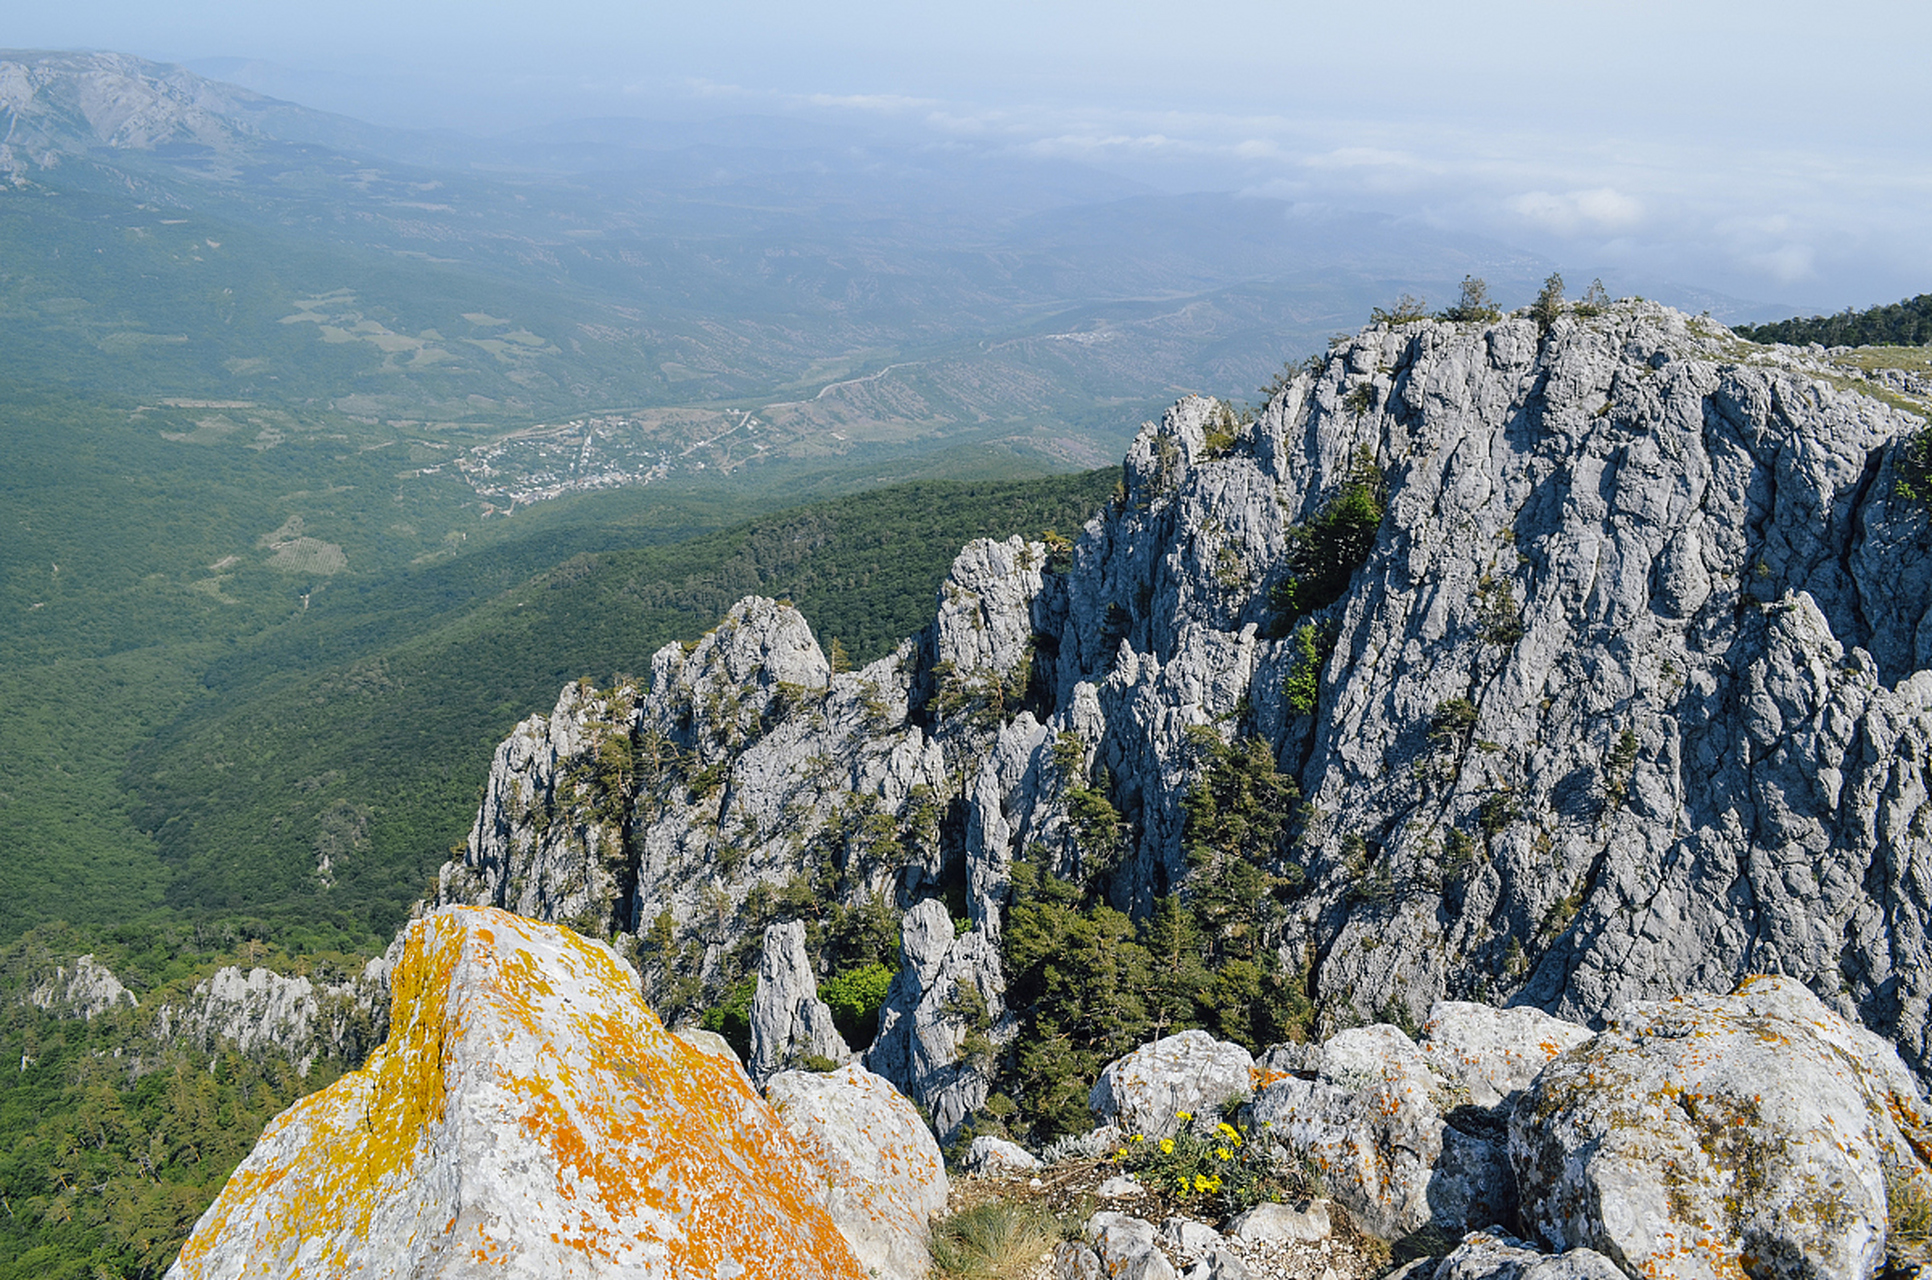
[1626, 692]
[526, 1110]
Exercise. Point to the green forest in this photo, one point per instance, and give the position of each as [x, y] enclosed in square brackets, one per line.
[1899, 324]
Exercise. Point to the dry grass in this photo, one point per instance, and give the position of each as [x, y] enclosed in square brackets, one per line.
[994, 1240]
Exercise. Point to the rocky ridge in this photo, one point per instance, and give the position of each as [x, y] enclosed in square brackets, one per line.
[1628, 697]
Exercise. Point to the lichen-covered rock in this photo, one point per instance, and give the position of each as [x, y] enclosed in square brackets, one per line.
[788, 1021]
[526, 1117]
[1493, 1053]
[1492, 1255]
[884, 1177]
[1191, 1072]
[1372, 1122]
[1128, 1247]
[1716, 1136]
[1269, 1221]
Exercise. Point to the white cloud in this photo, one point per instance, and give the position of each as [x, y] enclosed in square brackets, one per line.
[1603, 209]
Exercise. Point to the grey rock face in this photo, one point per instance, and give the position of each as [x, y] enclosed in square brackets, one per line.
[1128, 1247]
[998, 1156]
[260, 1009]
[1373, 1122]
[1492, 1255]
[788, 1020]
[1494, 1053]
[1283, 1222]
[1630, 697]
[884, 1178]
[942, 983]
[81, 989]
[1147, 1091]
[1695, 1132]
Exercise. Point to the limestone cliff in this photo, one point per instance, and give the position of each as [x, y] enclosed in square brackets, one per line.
[1630, 694]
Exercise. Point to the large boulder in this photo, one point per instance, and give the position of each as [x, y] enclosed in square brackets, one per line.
[1192, 1073]
[884, 1177]
[527, 1117]
[1755, 1133]
[1372, 1122]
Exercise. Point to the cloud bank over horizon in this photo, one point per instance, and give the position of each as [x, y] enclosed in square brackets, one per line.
[1765, 151]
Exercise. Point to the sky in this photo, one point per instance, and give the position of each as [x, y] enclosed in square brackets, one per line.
[1770, 150]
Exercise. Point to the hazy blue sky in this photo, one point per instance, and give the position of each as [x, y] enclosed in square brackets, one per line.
[1773, 150]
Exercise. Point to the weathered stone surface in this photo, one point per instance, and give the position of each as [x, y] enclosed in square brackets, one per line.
[921, 1028]
[1492, 1255]
[1072, 1261]
[1266, 1221]
[1372, 1122]
[527, 1116]
[1699, 1136]
[82, 990]
[1493, 1053]
[884, 1177]
[988, 1154]
[1129, 1247]
[260, 1008]
[1146, 1091]
[788, 1020]
[1664, 579]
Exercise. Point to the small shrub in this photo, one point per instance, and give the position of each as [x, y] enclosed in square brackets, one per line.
[1618, 766]
[1549, 302]
[1453, 718]
[1302, 687]
[1498, 618]
[731, 1017]
[1325, 551]
[1221, 1172]
[1475, 304]
[1407, 310]
[1912, 472]
[1360, 398]
[1497, 811]
[1596, 300]
[854, 996]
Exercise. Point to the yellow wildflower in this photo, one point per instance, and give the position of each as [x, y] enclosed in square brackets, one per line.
[1137, 1137]
[1183, 1116]
[1167, 1146]
[1223, 1153]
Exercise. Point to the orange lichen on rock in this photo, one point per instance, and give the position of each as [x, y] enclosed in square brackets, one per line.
[527, 1116]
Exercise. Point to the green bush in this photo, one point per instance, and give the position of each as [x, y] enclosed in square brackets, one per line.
[1549, 302]
[1302, 687]
[1218, 1174]
[854, 997]
[1325, 551]
[731, 1017]
[1475, 304]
